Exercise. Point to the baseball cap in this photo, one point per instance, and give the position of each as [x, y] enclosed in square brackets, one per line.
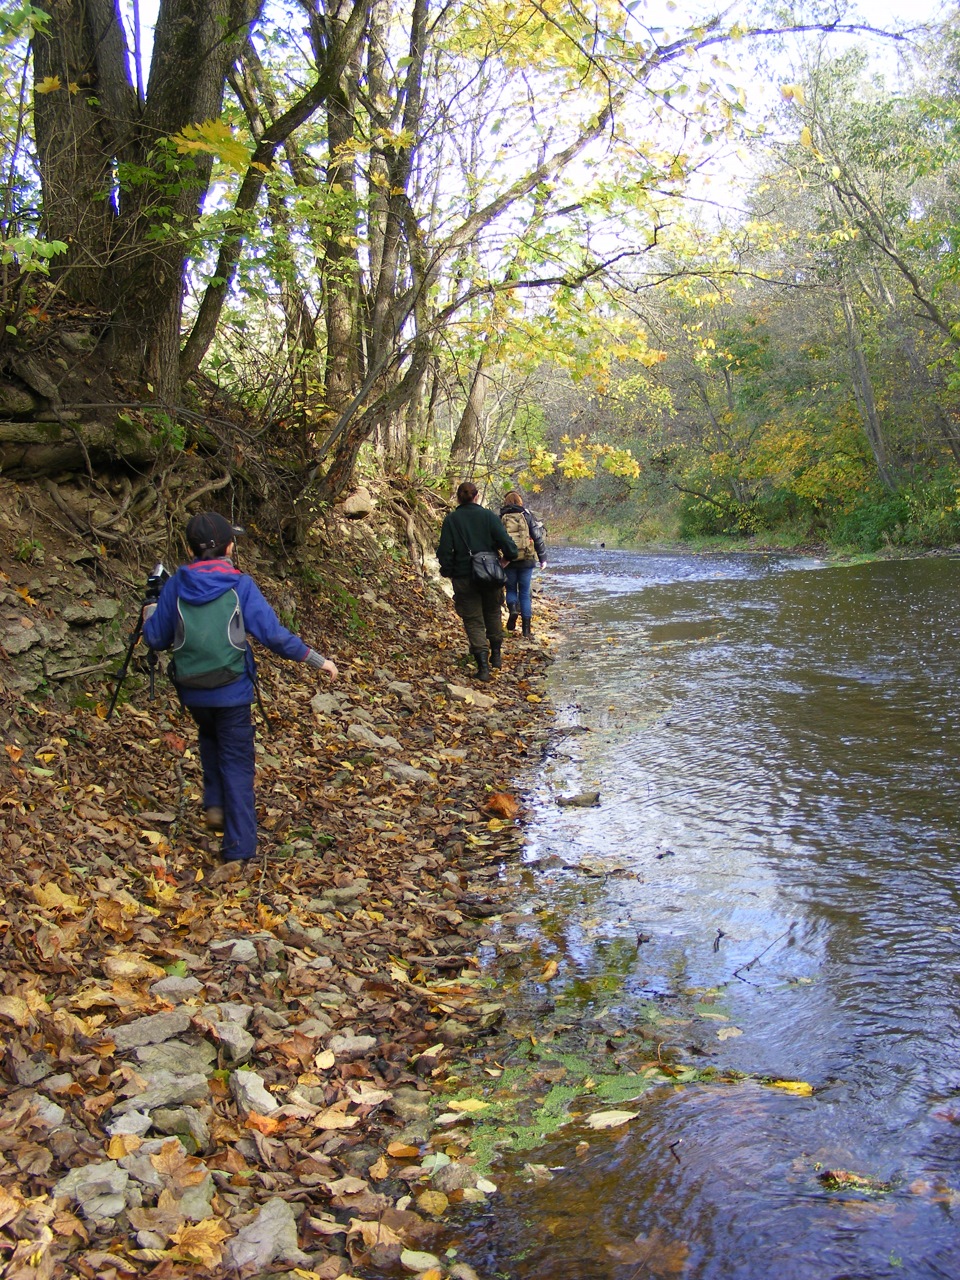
[209, 534]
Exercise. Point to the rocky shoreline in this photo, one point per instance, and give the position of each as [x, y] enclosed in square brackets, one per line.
[218, 1071]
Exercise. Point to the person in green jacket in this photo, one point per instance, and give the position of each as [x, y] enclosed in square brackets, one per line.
[465, 530]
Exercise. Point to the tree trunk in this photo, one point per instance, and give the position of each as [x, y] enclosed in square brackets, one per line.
[78, 144]
[863, 390]
[129, 240]
[466, 443]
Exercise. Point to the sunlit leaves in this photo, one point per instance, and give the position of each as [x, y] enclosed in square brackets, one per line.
[216, 138]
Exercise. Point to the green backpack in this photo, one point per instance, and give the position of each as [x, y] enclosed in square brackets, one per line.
[210, 644]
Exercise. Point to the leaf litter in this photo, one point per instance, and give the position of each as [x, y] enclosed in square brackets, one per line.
[217, 1070]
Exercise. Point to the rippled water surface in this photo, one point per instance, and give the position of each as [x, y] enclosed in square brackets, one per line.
[776, 746]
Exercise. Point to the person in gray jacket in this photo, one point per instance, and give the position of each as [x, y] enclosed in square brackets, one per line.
[469, 528]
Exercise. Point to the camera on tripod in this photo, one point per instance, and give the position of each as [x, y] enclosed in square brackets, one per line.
[158, 576]
[155, 580]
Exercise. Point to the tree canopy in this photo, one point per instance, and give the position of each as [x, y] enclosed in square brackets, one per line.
[377, 225]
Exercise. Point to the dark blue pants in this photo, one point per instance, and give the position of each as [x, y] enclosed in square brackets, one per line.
[518, 588]
[226, 753]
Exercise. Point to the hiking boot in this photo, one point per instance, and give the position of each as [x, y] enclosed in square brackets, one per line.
[483, 664]
[213, 818]
[512, 621]
[496, 659]
[527, 627]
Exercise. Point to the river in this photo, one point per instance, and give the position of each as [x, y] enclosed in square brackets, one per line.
[775, 743]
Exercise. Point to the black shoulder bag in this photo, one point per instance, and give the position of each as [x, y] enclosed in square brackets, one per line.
[485, 567]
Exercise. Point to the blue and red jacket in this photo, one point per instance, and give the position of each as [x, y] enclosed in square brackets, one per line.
[199, 583]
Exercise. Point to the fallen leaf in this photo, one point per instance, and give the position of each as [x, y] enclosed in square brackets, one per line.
[128, 967]
[610, 1119]
[434, 1203]
[373, 1233]
[123, 1144]
[550, 970]
[334, 1118]
[798, 1087]
[402, 1151]
[263, 1124]
[201, 1241]
[468, 1104]
[52, 897]
[502, 804]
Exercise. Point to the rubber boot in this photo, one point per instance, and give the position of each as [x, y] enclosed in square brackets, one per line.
[512, 621]
[496, 660]
[527, 627]
[483, 664]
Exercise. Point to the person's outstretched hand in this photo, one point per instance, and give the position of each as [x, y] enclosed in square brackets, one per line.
[330, 668]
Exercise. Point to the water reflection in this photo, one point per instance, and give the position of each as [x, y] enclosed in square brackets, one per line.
[776, 747]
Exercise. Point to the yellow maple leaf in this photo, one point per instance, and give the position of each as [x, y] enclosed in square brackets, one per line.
[49, 84]
[200, 1241]
[468, 1105]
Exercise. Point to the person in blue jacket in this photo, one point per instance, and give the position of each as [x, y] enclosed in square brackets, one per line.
[222, 712]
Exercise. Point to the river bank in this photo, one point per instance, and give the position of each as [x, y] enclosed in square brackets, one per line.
[209, 1071]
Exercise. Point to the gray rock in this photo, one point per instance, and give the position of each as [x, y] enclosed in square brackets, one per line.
[166, 1090]
[99, 1189]
[178, 1058]
[237, 950]
[325, 704]
[137, 1122]
[176, 989]
[18, 638]
[358, 504]
[195, 1201]
[271, 1237]
[348, 892]
[454, 1177]
[400, 687]
[409, 1104]
[452, 1032]
[365, 737]
[184, 1122]
[583, 800]
[15, 400]
[152, 1030]
[49, 1112]
[78, 343]
[408, 773]
[140, 1167]
[272, 1018]
[237, 1045]
[251, 1093]
[99, 609]
[460, 693]
[230, 1011]
[316, 1027]
[346, 1047]
[33, 1069]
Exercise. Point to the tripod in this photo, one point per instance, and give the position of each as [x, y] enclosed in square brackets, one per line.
[154, 586]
